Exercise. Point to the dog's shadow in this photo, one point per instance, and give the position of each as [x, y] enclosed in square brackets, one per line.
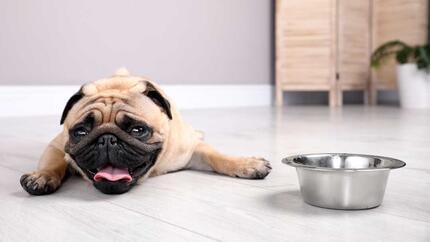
[74, 188]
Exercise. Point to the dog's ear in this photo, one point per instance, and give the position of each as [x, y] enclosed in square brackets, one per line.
[152, 92]
[72, 101]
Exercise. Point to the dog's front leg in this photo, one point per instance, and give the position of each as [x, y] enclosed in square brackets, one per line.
[51, 170]
[207, 158]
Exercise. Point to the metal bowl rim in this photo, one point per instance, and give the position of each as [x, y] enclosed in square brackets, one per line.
[289, 161]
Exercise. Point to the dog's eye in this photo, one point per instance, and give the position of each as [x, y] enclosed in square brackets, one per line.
[80, 132]
[139, 131]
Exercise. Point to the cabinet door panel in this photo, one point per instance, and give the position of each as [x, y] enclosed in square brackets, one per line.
[354, 43]
[304, 42]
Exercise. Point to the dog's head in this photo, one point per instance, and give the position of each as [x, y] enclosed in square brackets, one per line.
[116, 129]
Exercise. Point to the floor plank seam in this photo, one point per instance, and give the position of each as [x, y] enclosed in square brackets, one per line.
[10, 168]
[400, 216]
[164, 221]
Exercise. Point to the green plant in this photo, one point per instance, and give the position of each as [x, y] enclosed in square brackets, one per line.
[404, 53]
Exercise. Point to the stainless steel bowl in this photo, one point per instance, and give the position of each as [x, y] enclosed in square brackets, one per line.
[343, 181]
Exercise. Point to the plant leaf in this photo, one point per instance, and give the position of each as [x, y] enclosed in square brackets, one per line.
[404, 54]
[388, 49]
[423, 60]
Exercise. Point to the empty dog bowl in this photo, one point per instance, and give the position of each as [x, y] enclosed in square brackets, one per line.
[343, 181]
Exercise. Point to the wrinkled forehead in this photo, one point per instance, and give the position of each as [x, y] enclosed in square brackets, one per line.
[114, 110]
[112, 100]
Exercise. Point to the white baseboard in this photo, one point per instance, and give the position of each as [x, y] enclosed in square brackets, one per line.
[50, 100]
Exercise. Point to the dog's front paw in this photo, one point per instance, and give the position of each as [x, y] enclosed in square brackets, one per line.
[253, 168]
[40, 183]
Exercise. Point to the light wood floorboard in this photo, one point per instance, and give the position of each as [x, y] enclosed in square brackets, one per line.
[200, 206]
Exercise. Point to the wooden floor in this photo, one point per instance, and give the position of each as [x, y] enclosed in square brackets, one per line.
[197, 206]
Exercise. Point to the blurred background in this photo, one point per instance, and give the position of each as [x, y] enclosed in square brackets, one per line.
[242, 48]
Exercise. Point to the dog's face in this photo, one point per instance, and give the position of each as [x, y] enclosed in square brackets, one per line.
[116, 131]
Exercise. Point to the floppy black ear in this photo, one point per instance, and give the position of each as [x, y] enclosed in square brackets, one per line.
[72, 101]
[158, 99]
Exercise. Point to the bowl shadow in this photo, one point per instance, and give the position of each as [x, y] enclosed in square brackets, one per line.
[291, 202]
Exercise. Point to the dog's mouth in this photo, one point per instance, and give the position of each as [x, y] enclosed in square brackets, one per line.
[111, 179]
[112, 173]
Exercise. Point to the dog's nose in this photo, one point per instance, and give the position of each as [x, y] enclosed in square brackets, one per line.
[107, 139]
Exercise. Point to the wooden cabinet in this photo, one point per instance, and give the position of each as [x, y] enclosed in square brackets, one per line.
[322, 45]
[404, 20]
[325, 45]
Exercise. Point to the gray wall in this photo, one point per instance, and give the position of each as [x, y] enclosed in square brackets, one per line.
[172, 41]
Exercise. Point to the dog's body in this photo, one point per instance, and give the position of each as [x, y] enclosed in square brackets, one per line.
[119, 131]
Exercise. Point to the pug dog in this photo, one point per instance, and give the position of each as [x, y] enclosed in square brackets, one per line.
[120, 130]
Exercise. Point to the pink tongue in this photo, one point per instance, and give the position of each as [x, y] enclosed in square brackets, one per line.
[113, 174]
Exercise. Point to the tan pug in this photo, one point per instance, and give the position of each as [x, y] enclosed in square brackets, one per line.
[119, 131]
